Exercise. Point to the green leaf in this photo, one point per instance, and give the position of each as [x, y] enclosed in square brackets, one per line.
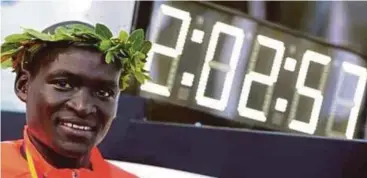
[109, 57]
[147, 45]
[141, 55]
[17, 38]
[130, 50]
[137, 45]
[103, 31]
[139, 76]
[11, 52]
[87, 33]
[127, 45]
[6, 57]
[141, 66]
[120, 55]
[105, 45]
[147, 77]
[60, 37]
[124, 61]
[61, 33]
[125, 81]
[62, 30]
[114, 48]
[82, 27]
[137, 39]
[38, 35]
[9, 46]
[87, 37]
[6, 63]
[123, 35]
[135, 61]
[136, 34]
[131, 67]
[34, 48]
[123, 53]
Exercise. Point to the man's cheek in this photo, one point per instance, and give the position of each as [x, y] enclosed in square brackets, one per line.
[103, 132]
[54, 97]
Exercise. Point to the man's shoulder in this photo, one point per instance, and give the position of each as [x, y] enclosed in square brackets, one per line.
[119, 172]
[12, 162]
[10, 148]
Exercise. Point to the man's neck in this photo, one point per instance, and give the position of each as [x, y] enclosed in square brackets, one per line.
[57, 160]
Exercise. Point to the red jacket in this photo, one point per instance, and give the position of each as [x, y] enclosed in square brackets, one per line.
[14, 165]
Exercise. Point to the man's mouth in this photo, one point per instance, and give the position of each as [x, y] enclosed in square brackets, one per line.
[76, 130]
[76, 126]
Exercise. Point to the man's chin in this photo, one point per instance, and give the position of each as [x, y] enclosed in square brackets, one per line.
[73, 150]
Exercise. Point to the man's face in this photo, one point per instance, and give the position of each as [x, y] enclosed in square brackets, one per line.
[72, 101]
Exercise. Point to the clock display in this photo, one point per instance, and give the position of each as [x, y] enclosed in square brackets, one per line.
[242, 69]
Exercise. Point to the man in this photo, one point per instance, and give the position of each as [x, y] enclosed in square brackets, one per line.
[70, 82]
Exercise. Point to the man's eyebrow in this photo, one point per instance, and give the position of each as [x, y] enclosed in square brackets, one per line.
[100, 81]
[57, 73]
[109, 83]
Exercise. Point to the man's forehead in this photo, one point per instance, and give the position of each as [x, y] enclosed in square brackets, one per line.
[83, 62]
[77, 54]
[72, 55]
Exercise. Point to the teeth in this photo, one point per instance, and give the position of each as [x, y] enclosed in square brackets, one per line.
[76, 126]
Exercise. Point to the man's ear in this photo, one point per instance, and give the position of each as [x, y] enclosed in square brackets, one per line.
[21, 85]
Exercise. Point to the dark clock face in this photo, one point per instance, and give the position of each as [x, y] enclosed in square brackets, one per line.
[238, 68]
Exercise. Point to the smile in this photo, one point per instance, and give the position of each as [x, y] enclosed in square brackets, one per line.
[76, 126]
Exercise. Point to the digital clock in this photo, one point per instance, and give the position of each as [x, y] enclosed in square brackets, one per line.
[239, 68]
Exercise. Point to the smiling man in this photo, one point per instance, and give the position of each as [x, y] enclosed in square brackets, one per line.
[70, 82]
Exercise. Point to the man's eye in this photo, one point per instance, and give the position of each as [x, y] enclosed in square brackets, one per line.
[104, 93]
[62, 84]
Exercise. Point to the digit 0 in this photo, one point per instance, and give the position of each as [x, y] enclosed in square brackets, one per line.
[174, 53]
[269, 80]
[316, 94]
[229, 69]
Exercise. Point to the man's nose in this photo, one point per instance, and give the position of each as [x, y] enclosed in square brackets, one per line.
[82, 103]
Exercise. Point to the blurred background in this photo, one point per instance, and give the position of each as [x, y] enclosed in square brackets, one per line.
[341, 23]
[207, 56]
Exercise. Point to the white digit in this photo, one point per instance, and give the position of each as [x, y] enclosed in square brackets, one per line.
[316, 94]
[357, 100]
[209, 63]
[268, 80]
[171, 52]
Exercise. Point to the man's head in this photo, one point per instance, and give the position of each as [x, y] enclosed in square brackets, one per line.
[71, 97]
[71, 79]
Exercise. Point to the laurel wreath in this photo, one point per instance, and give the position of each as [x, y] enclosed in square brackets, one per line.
[131, 50]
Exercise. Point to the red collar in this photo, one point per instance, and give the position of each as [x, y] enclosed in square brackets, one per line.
[100, 166]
